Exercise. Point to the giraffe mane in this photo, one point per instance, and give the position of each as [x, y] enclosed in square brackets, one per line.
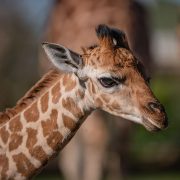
[45, 82]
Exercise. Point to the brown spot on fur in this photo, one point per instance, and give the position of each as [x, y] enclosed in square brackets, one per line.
[50, 124]
[44, 102]
[4, 117]
[32, 113]
[54, 139]
[71, 106]
[31, 139]
[15, 124]
[54, 115]
[56, 93]
[16, 140]
[68, 122]
[38, 153]
[24, 166]
[4, 134]
[35, 151]
[68, 83]
[4, 166]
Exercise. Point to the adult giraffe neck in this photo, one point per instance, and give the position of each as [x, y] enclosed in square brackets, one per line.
[44, 120]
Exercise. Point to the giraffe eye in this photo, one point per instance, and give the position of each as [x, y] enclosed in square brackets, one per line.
[108, 82]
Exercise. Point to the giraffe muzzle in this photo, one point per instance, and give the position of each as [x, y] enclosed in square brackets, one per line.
[158, 119]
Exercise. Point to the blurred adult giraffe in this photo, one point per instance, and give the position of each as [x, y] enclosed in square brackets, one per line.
[69, 23]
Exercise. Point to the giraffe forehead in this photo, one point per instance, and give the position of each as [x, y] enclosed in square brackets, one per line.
[120, 57]
[108, 62]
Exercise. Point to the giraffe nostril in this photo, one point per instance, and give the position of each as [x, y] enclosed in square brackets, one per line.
[155, 106]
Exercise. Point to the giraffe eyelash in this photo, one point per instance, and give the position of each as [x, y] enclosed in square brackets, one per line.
[109, 82]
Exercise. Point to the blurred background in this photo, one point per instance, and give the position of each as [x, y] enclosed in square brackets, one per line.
[154, 34]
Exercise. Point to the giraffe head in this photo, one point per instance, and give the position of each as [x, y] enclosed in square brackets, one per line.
[113, 78]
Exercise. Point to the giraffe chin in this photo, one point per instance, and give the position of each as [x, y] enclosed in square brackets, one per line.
[152, 127]
[146, 122]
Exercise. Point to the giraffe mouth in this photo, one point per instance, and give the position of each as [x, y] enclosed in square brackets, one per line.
[146, 122]
[151, 125]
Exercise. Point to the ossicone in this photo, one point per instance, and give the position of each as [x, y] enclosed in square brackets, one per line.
[111, 37]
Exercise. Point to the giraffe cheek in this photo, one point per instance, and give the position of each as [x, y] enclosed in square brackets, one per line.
[115, 105]
[99, 103]
[105, 98]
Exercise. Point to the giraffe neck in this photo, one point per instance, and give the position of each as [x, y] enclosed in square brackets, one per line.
[35, 134]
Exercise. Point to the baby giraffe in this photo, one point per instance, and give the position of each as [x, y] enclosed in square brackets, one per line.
[105, 76]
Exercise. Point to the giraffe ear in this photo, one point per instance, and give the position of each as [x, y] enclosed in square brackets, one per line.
[63, 58]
